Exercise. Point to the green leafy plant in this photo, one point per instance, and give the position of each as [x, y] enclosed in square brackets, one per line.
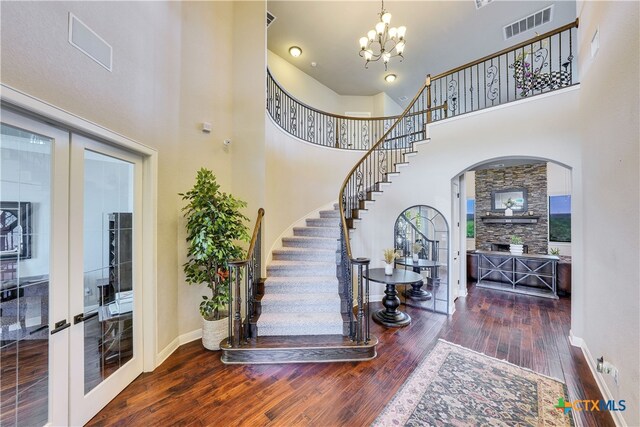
[214, 227]
[509, 203]
[390, 255]
[554, 251]
[516, 240]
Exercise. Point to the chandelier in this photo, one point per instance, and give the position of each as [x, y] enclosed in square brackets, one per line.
[383, 42]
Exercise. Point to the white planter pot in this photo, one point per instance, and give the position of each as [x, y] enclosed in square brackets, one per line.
[213, 332]
[515, 249]
[416, 257]
[388, 269]
[508, 212]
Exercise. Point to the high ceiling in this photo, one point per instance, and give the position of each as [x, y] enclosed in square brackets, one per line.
[441, 35]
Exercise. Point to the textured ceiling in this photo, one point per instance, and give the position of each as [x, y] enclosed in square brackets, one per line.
[441, 35]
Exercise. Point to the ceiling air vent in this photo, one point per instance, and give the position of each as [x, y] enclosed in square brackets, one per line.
[403, 98]
[482, 3]
[528, 23]
[91, 44]
[270, 18]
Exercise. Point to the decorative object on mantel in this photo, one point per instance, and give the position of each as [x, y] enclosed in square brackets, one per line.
[437, 393]
[416, 248]
[516, 245]
[509, 204]
[390, 255]
[381, 42]
[554, 251]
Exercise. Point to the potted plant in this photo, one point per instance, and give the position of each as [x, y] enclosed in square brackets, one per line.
[516, 245]
[390, 255]
[416, 248]
[554, 251]
[214, 227]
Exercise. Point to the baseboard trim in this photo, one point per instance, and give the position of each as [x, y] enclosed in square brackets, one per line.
[602, 385]
[177, 342]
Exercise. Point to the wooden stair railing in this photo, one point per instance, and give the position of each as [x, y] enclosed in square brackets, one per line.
[360, 186]
[246, 270]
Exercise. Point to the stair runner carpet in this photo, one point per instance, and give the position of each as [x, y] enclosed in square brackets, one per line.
[301, 290]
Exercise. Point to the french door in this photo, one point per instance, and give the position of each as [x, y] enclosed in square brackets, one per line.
[70, 305]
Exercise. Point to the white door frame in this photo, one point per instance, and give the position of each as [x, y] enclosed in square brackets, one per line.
[58, 366]
[32, 106]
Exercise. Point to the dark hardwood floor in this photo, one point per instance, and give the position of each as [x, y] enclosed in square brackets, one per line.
[192, 387]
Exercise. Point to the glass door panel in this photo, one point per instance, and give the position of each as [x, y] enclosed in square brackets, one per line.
[108, 267]
[28, 371]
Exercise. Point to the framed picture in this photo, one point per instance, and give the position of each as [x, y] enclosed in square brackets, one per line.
[15, 230]
[515, 198]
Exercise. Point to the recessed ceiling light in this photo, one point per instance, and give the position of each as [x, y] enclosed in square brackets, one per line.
[389, 78]
[295, 51]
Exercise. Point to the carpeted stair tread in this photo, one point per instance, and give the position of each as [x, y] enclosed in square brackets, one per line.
[310, 242]
[323, 222]
[302, 254]
[330, 214]
[317, 231]
[300, 268]
[280, 324]
[301, 303]
[301, 284]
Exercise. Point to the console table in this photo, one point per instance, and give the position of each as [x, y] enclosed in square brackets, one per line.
[525, 274]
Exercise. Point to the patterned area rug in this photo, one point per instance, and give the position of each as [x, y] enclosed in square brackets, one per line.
[455, 386]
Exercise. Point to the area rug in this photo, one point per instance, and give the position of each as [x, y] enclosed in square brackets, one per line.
[455, 386]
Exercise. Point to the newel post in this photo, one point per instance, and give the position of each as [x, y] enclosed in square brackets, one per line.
[362, 319]
[235, 302]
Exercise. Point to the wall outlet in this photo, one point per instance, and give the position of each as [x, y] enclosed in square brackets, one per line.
[614, 372]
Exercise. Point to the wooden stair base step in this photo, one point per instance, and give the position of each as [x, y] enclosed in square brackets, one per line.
[298, 349]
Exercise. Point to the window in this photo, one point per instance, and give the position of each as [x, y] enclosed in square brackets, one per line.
[560, 218]
[471, 210]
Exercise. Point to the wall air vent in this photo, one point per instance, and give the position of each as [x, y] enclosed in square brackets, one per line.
[270, 18]
[403, 98]
[482, 3]
[532, 21]
[91, 44]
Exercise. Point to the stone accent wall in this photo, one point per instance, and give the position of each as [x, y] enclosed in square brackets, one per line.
[531, 177]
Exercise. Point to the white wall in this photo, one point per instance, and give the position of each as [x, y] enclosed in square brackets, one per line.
[309, 91]
[301, 177]
[609, 117]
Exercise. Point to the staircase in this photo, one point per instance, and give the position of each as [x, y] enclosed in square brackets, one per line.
[301, 315]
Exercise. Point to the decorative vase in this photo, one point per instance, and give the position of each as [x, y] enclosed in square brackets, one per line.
[213, 332]
[416, 257]
[508, 212]
[388, 269]
[515, 249]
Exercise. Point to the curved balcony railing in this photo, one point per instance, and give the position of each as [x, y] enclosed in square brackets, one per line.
[539, 65]
[332, 130]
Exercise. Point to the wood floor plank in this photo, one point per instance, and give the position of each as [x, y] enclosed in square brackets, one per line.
[194, 388]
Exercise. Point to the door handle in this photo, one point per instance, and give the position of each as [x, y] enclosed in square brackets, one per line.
[78, 318]
[59, 326]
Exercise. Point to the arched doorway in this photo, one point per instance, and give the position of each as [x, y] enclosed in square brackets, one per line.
[542, 220]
